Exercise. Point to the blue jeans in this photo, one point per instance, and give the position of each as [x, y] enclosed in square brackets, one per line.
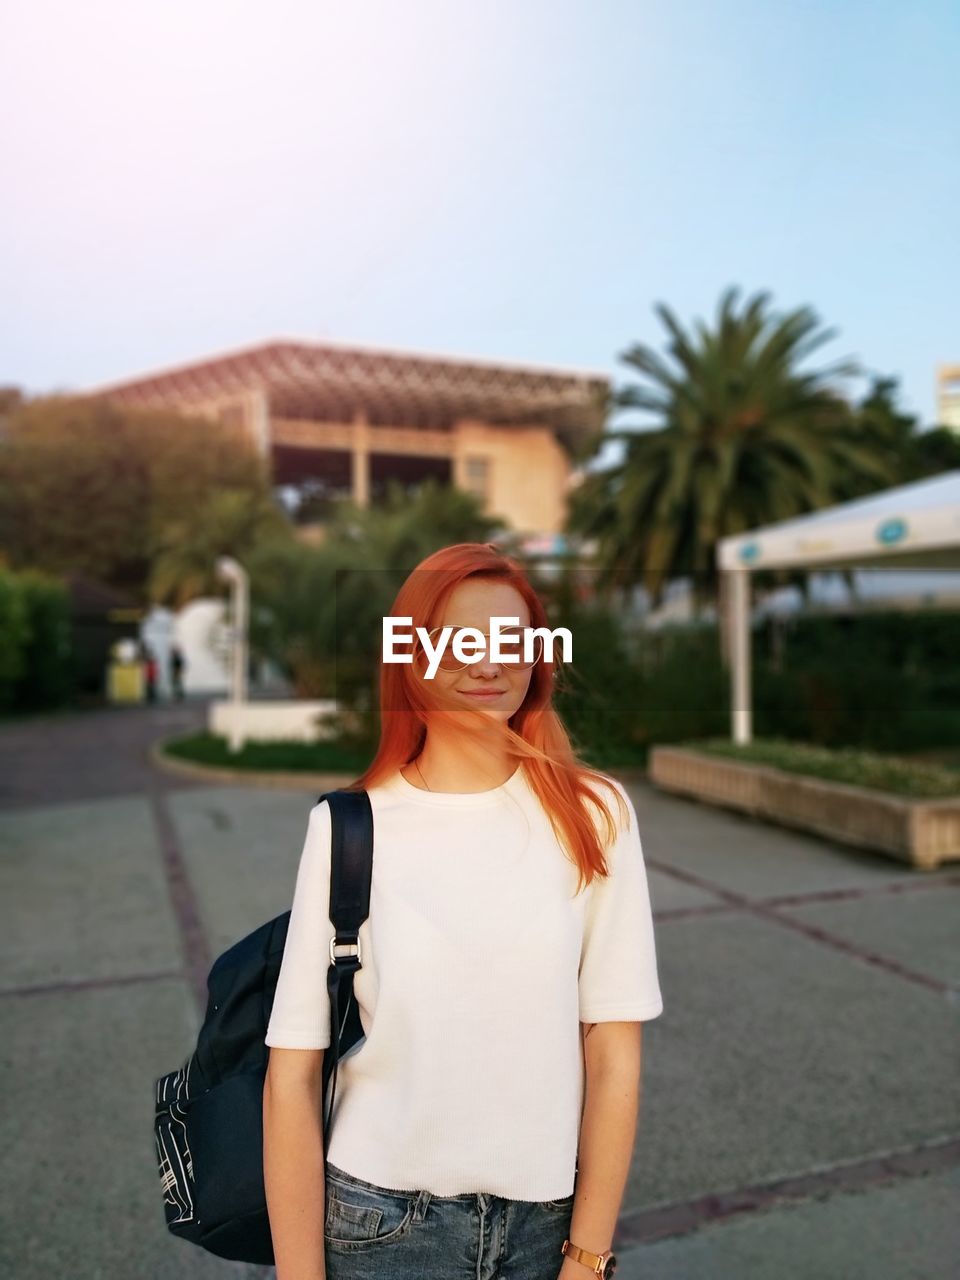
[379, 1234]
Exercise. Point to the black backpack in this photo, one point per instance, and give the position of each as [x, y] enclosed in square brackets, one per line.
[209, 1119]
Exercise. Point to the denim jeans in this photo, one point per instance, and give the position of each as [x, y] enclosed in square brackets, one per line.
[379, 1234]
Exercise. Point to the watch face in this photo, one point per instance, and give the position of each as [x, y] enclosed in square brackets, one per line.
[611, 1266]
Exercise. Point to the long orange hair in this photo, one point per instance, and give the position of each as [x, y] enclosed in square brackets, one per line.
[535, 733]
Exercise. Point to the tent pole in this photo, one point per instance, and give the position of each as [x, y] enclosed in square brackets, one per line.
[739, 622]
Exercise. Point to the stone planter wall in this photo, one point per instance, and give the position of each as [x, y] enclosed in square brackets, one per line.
[924, 833]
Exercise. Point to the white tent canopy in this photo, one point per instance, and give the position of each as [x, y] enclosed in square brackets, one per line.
[914, 524]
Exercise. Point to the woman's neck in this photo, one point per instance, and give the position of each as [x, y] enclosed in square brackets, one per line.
[459, 766]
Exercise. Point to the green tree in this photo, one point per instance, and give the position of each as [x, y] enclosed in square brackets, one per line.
[14, 636]
[187, 548]
[934, 451]
[88, 486]
[73, 492]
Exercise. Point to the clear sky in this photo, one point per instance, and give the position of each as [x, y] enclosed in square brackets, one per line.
[501, 178]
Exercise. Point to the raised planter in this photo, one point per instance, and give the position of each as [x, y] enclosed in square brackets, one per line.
[284, 720]
[924, 833]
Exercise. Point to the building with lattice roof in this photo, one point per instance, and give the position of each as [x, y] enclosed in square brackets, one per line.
[338, 418]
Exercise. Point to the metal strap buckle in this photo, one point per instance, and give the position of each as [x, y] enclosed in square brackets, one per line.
[334, 942]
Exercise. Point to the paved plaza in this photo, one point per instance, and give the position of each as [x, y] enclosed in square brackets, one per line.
[800, 1110]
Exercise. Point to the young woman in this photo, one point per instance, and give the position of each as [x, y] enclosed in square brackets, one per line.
[484, 1126]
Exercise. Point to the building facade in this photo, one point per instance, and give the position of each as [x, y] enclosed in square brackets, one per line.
[336, 419]
[948, 396]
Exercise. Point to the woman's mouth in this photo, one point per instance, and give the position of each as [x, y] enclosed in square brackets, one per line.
[484, 695]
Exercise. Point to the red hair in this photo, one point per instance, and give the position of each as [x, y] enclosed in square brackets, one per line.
[535, 733]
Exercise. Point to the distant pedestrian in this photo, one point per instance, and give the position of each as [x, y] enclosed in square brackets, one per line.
[150, 672]
[177, 664]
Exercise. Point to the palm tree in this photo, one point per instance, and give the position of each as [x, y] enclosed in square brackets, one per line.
[743, 438]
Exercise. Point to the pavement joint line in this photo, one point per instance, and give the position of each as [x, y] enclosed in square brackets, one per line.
[927, 882]
[643, 1226]
[815, 933]
[186, 910]
[702, 909]
[874, 958]
[668, 914]
[812, 898]
[863, 891]
[19, 805]
[91, 984]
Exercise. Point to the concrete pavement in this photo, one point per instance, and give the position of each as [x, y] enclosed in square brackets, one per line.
[800, 1113]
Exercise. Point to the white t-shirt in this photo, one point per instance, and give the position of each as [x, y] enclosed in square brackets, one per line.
[478, 966]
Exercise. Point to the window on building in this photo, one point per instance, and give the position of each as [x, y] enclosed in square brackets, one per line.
[478, 476]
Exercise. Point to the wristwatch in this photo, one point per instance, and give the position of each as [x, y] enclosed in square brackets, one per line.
[601, 1264]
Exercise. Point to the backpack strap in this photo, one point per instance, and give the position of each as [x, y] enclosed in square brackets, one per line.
[351, 867]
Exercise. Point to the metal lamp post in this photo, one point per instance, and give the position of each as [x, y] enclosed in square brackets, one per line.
[234, 573]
